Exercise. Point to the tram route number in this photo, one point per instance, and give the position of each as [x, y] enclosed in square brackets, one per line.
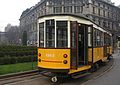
[50, 55]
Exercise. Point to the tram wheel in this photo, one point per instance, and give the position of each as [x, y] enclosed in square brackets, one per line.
[56, 79]
[109, 57]
[95, 67]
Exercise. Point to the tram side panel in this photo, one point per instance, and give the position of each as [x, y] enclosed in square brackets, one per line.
[90, 55]
[111, 50]
[54, 58]
[102, 48]
[97, 54]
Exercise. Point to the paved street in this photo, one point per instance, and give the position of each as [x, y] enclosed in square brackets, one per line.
[110, 78]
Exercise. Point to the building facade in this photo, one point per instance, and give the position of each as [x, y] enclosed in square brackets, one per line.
[102, 12]
[13, 35]
[3, 40]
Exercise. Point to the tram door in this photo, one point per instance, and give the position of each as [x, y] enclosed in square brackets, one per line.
[79, 45]
[82, 44]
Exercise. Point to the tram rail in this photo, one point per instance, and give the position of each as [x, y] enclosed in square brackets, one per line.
[16, 77]
[34, 76]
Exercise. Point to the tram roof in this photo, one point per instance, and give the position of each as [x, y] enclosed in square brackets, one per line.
[79, 16]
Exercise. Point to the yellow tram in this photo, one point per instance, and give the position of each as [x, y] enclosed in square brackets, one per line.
[71, 45]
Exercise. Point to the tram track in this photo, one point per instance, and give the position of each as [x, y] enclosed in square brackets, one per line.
[20, 80]
[33, 77]
[12, 78]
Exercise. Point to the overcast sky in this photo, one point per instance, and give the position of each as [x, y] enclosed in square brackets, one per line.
[10, 10]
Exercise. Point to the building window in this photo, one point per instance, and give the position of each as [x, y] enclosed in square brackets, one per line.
[103, 6]
[93, 10]
[99, 22]
[93, 2]
[57, 2]
[109, 25]
[81, 9]
[78, 9]
[104, 24]
[62, 38]
[103, 13]
[41, 34]
[68, 1]
[68, 9]
[108, 14]
[99, 4]
[93, 18]
[99, 12]
[50, 33]
[75, 1]
[57, 9]
[112, 25]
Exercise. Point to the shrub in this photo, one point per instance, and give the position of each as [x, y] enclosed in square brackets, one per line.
[13, 60]
[17, 54]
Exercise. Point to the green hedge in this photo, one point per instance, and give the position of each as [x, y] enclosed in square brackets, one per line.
[17, 54]
[18, 59]
[17, 51]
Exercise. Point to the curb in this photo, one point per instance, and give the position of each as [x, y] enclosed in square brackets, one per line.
[17, 74]
[99, 75]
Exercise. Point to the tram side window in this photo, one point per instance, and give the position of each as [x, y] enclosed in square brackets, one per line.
[89, 36]
[94, 38]
[110, 42]
[50, 33]
[73, 39]
[99, 43]
[73, 34]
[62, 38]
[107, 40]
[97, 38]
[102, 38]
[41, 34]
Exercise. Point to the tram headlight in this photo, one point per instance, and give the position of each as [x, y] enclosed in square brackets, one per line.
[65, 61]
[65, 55]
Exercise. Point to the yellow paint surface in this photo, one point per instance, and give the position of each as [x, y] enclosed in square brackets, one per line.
[82, 68]
[53, 58]
[110, 49]
[90, 54]
[98, 54]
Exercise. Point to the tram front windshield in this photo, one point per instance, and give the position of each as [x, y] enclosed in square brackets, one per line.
[53, 34]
